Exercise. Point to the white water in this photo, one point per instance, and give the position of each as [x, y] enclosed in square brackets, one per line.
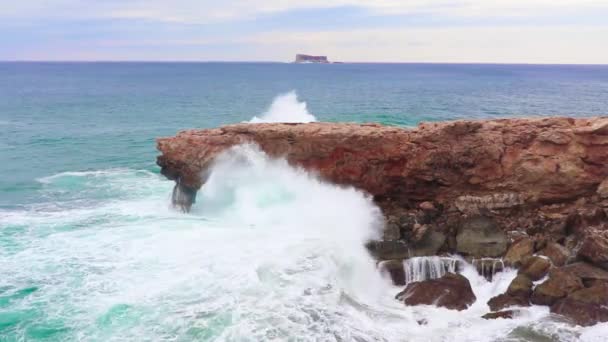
[268, 253]
[423, 268]
[286, 108]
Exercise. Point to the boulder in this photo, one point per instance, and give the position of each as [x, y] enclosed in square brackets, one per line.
[595, 248]
[559, 285]
[480, 237]
[452, 291]
[500, 314]
[388, 250]
[589, 274]
[535, 267]
[586, 306]
[504, 300]
[392, 231]
[429, 245]
[394, 269]
[521, 286]
[518, 251]
[557, 253]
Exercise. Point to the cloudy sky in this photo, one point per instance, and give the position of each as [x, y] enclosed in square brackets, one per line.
[504, 31]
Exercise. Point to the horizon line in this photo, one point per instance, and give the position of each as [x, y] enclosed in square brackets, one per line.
[291, 62]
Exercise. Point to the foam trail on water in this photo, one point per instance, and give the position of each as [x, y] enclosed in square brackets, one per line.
[286, 108]
[268, 253]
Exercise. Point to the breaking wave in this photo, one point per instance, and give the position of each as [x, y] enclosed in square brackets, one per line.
[268, 253]
[286, 108]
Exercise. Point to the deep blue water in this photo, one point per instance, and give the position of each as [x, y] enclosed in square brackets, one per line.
[90, 249]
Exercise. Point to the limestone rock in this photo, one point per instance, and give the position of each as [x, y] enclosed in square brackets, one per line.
[557, 253]
[586, 306]
[595, 248]
[521, 286]
[519, 251]
[544, 160]
[429, 244]
[535, 267]
[559, 285]
[480, 237]
[589, 274]
[388, 250]
[504, 300]
[452, 291]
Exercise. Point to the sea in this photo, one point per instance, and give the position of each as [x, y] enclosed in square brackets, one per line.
[91, 249]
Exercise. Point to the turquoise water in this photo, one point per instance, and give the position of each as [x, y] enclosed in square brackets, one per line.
[90, 249]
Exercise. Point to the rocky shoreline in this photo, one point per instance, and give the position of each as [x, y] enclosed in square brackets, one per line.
[530, 194]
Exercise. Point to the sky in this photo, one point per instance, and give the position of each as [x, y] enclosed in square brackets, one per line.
[457, 31]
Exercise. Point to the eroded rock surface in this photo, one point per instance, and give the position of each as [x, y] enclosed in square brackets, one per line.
[499, 164]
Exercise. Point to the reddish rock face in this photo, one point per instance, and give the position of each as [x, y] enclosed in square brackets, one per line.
[585, 307]
[452, 291]
[595, 248]
[535, 267]
[557, 253]
[473, 165]
[519, 251]
[559, 285]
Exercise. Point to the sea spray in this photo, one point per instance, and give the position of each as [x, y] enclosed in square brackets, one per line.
[268, 252]
[286, 108]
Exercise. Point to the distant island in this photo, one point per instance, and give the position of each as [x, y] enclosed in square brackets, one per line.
[300, 58]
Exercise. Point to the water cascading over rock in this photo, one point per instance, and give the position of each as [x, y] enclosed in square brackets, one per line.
[488, 267]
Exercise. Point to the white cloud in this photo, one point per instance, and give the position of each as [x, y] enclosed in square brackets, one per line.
[209, 11]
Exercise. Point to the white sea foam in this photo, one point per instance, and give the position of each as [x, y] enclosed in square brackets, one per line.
[269, 252]
[286, 108]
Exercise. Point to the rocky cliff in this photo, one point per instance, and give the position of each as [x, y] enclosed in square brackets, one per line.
[466, 165]
[526, 190]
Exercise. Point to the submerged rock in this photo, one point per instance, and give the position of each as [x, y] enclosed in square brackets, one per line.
[507, 314]
[452, 291]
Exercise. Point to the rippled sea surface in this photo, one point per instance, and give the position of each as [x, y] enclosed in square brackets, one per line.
[90, 249]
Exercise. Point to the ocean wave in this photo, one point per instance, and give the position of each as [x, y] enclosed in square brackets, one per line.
[286, 108]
